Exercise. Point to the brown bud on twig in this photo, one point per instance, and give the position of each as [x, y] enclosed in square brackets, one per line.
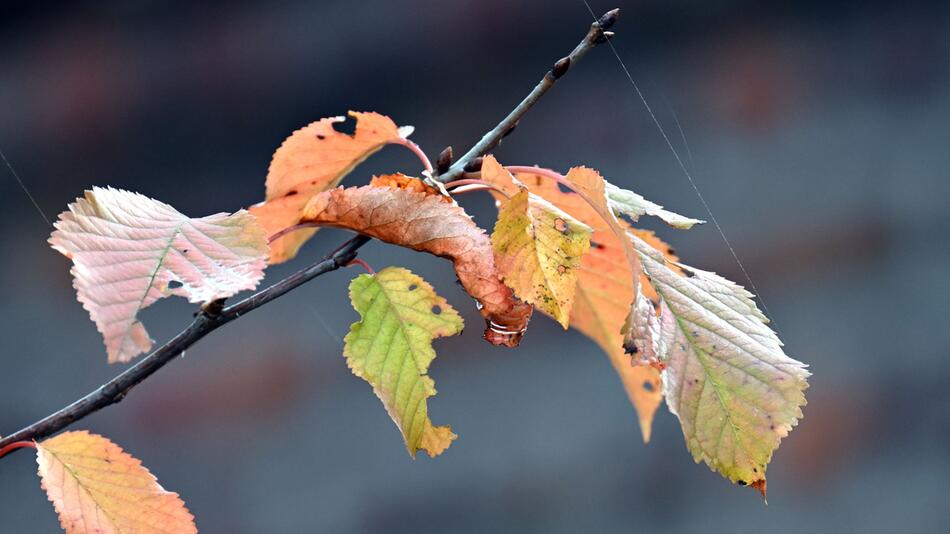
[445, 161]
[608, 19]
[560, 67]
[474, 166]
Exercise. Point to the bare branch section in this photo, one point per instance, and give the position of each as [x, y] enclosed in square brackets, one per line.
[596, 35]
[215, 315]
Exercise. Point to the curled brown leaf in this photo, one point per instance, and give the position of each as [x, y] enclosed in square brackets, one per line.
[405, 212]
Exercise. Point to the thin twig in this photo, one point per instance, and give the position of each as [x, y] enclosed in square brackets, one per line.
[490, 140]
[206, 322]
[215, 315]
[417, 150]
[360, 263]
[458, 187]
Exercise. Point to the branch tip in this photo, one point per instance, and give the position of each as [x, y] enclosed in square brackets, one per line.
[608, 19]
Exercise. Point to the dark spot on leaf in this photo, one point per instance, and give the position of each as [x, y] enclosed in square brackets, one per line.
[671, 251]
[174, 284]
[321, 137]
[184, 251]
[688, 273]
[754, 470]
[437, 310]
[561, 269]
[413, 287]
[292, 192]
[647, 385]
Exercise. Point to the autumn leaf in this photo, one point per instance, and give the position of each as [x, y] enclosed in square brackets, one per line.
[538, 248]
[314, 159]
[391, 348]
[428, 222]
[604, 293]
[591, 187]
[97, 487]
[129, 251]
[623, 201]
[537, 245]
[735, 391]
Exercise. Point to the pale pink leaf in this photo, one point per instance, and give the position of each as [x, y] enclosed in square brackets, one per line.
[129, 250]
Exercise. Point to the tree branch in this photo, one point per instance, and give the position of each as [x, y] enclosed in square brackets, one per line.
[490, 140]
[214, 315]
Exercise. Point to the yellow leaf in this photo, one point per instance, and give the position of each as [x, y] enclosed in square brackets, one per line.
[391, 348]
[314, 159]
[538, 248]
[728, 379]
[97, 487]
[604, 293]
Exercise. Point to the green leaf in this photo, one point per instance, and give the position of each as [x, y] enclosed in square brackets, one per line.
[735, 391]
[391, 348]
[538, 248]
[623, 201]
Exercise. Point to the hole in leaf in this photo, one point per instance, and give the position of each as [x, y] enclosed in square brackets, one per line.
[437, 310]
[564, 188]
[647, 385]
[347, 126]
[412, 287]
[561, 225]
[175, 284]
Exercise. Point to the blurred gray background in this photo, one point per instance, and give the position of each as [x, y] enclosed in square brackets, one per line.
[819, 133]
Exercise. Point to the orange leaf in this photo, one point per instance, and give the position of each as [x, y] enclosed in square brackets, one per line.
[314, 159]
[428, 222]
[97, 487]
[604, 293]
